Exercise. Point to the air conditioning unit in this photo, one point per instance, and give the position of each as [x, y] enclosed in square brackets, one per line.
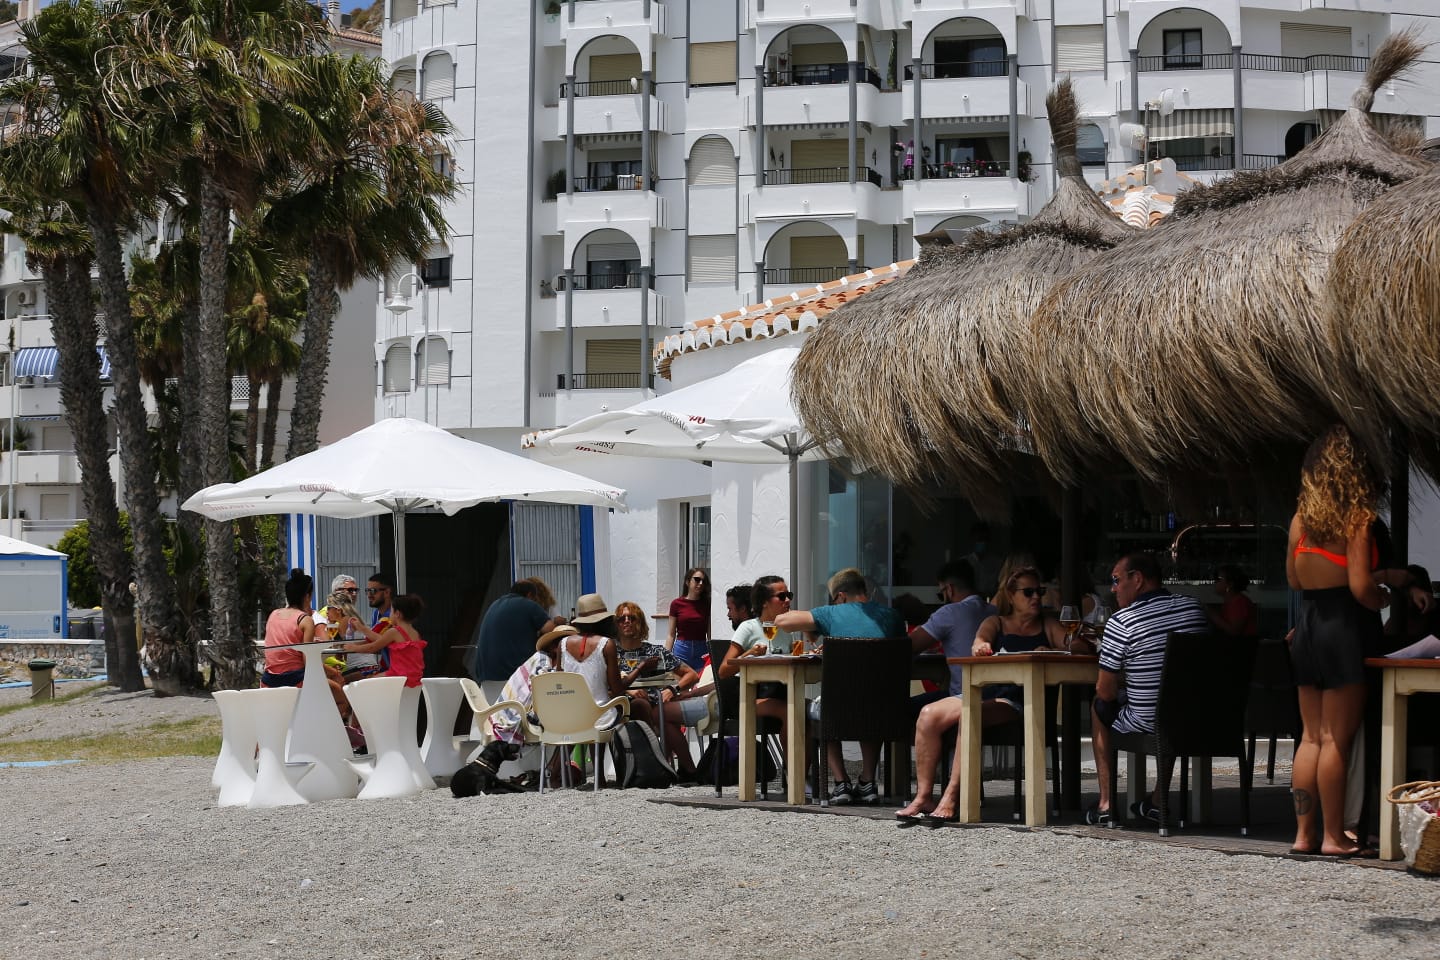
[26, 298]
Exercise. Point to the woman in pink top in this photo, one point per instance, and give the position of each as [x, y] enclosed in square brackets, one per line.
[400, 645]
[291, 624]
[690, 620]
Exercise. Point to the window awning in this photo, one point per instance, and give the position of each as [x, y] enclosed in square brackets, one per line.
[1194, 124]
[44, 363]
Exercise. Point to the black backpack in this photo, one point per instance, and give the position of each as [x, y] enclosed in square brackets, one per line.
[638, 760]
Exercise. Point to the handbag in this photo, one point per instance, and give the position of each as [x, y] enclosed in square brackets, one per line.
[1418, 806]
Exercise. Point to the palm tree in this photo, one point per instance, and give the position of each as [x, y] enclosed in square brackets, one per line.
[87, 138]
[261, 345]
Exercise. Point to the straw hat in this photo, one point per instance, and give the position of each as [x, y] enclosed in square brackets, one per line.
[590, 608]
[559, 633]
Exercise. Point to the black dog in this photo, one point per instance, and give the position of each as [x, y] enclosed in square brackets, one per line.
[478, 776]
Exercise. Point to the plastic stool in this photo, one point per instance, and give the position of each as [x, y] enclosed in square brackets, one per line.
[439, 752]
[377, 705]
[235, 770]
[271, 709]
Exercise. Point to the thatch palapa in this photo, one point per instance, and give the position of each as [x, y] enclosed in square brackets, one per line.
[925, 379]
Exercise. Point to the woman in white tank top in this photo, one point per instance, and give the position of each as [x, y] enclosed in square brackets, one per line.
[593, 657]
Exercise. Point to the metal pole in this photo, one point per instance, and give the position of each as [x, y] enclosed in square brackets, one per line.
[425, 339]
[792, 452]
[398, 518]
[15, 329]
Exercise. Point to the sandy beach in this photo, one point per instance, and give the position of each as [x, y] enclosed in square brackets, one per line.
[132, 859]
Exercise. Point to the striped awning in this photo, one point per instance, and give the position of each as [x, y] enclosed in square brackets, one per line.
[1194, 124]
[44, 363]
[1386, 123]
[970, 118]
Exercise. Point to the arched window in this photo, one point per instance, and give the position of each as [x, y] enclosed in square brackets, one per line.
[403, 79]
[397, 368]
[1090, 144]
[439, 77]
[432, 362]
[712, 163]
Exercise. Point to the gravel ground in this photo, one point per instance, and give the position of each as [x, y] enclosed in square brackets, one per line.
[133, 860]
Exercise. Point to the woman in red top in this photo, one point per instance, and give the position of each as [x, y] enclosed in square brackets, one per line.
[690, 620]
[1238, 616]
[400, 645]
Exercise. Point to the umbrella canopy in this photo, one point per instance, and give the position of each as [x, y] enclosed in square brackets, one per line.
[1203, 339]
[929, 376]
[1384, 301]
[395, 466]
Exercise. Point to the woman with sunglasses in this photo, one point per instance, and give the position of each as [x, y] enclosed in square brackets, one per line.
[640, 658]
[689, 637]
[769, 598]
[1019, 627]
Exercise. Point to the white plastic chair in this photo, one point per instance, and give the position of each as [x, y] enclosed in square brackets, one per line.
[377, 705]
[270, 711]
[481, 709]
[234, 773]
[567, 716]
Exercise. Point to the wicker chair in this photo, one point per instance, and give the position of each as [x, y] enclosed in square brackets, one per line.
[727, 698]
[865, 686]
[1273, 710]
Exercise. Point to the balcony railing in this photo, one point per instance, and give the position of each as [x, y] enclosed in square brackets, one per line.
[960, 69]
[608, 88]
[806, 274]
[1224, 161]
[1185, 61]
[978, 168]
[604, 381]
[1318, 61]
[1259, 161]
[814, 74]
[604, 281]
[785, 178]
[614, 181]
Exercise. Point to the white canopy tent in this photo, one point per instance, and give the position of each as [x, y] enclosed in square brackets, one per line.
[395, 466]
[34, 591]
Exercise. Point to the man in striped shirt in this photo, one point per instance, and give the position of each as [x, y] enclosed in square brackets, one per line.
[1132, 652]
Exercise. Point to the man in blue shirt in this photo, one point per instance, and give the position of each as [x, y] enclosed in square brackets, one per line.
[507, 634]
[850, 613]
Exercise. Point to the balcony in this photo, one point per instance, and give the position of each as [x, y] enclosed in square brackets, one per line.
[1319, 61]
[595, 18]
[793, 277]
[819, 74]
[611, 106]
[604, 381]
[431, 26]
[1184, 61]
[594, 397]
[961, 69]
[612, 201]
[866, 12]
[31, 402]
[46, 466]
[1260, 161]
[1205, 163]
[607, 301]
[947, 196]
[965, 98]
[806, 175]
[812, 194]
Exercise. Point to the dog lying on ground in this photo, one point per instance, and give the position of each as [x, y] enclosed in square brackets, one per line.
[479, 776]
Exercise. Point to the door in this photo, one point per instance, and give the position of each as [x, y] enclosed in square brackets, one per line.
[545, 538]
[351, 547]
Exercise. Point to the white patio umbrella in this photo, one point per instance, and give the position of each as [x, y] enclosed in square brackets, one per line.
[743, 415]
[395, 466]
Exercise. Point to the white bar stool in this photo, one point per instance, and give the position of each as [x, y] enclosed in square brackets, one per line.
[440, 751]
[377, 704]
[318, 735]
[409, 742]
[234, 774]
[270, 710]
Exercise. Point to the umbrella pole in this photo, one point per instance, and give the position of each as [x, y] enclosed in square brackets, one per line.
[793, 454]
[398, 524]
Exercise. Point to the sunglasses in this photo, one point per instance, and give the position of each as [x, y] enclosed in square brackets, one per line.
[1029, 592]
[782, 595]
[349, 589]
[697, 579]
[627, 616]
[1115, 581]
[376, 589]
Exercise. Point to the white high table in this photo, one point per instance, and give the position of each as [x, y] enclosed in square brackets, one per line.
[317, 733]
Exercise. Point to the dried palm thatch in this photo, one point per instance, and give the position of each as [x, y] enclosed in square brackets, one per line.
[920, 379]
[1383, 306]
[1203, 340]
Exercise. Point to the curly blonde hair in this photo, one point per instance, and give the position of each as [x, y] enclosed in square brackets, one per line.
[1338, 488]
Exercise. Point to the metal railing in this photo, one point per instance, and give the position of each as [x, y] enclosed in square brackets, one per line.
[807, 274]
[802, 175]
[977, 168]
[608, 88]
[605, 281]
[613, 181]
[1185, 61]
[960, 69]
[1318, 61]
[1259, 161]
[1224, 161]
[604, 381]
[816, 74]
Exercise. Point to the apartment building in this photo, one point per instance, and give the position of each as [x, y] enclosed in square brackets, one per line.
[631, 165]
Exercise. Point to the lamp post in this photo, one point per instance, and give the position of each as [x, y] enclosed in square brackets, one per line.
[399, 305]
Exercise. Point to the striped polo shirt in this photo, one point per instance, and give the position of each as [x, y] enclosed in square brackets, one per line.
[1134, 645]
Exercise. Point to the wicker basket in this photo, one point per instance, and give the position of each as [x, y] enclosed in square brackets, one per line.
[1419, 826]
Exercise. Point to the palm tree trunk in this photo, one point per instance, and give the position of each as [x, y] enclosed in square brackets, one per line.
[232, 659]
[322, 302]
[72, 321]
[273, 389]
[174, 666]
[252, 424]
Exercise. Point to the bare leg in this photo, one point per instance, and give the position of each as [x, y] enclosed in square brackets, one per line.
[992, 712]
[1341, 710]
[935, 719]
[676, 741]
[1304, 769]
[837, 762]
[869, 760]
[1100, 745]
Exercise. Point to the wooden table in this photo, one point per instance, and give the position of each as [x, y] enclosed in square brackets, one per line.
[1034, 672]
[1400, 679]
[794, 672]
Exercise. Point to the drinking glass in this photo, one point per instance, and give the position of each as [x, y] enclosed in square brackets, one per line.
[1070, 620]
[768, 628]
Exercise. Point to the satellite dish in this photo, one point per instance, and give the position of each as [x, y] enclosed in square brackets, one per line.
[1133, 136]
[1166, 105]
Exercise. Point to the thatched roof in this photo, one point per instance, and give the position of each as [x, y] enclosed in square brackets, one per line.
[1384, 301]
[923, 379]
[1203, 339]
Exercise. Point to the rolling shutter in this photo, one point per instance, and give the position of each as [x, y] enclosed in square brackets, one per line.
[712, 64]
[1079, 48]
[612, 356]
[432, 363]
[712, 163]
[814, 54]
[439, 76]
[712, 259]
[614, 66]
[817, 252]
[403, 79]
[1309, 39]
[814, 154]
[397, 368]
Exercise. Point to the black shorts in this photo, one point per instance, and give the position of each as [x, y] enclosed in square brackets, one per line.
[1331, 637]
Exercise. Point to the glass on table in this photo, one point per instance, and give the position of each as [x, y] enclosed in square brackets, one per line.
[1070, 620]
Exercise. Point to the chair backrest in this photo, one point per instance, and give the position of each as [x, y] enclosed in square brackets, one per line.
[563, 704]
[865, 689]
[1274, 707]
[1204, 686]
[727, 691]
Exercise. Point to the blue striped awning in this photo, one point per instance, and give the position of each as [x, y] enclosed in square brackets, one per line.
[44, 362]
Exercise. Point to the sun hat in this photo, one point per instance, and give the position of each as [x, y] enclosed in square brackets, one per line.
[590, 608]
[564, 630]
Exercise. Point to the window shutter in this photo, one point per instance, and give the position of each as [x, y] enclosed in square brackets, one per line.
[817, 154]
[807, 252]
[432, 363]
[612, 356]
[712, 64]
[546, 540]
[397, 368]
[1079, 48]
[614, 66]
[1309, 39]
[817, 54]
[712, 163]
[612, 251]
[403, 9]
[712, 259]
[439, 74]
[403, 79]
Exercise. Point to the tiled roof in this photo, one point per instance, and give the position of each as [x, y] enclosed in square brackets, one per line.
[1142, 204]
[357, 36]
[797, 312]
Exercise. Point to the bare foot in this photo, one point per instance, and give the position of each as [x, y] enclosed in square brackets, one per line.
[916, 807]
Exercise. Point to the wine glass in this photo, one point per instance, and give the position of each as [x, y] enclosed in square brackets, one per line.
[768, 628]
[1070, 620]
